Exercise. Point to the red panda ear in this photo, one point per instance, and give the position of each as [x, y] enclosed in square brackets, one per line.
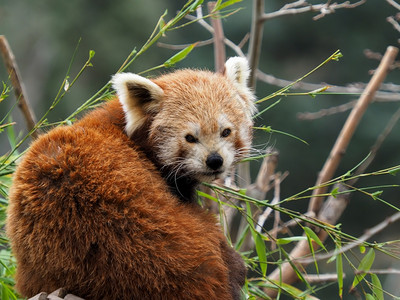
[238, 72]
[139, 97]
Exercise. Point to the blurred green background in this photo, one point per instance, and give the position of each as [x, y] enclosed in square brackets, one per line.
[44, 34]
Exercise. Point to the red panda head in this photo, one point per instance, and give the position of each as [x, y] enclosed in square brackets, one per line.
[200, 122]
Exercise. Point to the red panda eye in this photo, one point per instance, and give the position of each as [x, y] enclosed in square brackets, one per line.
[190, 138]
[226, 132]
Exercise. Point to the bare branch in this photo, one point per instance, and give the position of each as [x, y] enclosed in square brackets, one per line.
[18, 85]
[324, 9]
[326, 112]
[394, 23]
[373, 271]
[394, 4]
[256, 34]
[219, 46]
[318, 278]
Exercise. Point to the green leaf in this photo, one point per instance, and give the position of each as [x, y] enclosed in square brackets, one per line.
[295, 269]
[262, 254]
[260, 244]
[310, 233]
[365, 265]
[339, 272]
[310, 245]
[311, 236]
[207, 196]
[179, 56]
[195, 5]
[377, 287]
[376, 194]
[334, 192]
[91, 54]
[369, 297]
[394, 171]
[293, 291]
[337, 55]
[339, 269]
[220, 5]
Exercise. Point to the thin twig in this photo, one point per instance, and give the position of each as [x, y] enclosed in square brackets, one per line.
[18, 85]
[326, 111]
[183, 46]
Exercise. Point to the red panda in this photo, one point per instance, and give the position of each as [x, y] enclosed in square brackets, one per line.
[105, 207]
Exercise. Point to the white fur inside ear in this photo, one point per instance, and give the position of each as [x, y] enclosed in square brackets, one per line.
[237, 70]
[139, 96]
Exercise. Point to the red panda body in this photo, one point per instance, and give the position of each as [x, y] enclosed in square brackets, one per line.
[97, 207]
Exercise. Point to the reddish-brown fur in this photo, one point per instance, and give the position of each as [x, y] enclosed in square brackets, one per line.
[90, 211]
[78, 220]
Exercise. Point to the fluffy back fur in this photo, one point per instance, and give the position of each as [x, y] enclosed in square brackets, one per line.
[104, 207]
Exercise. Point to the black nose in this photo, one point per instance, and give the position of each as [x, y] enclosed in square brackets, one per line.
[214, 161]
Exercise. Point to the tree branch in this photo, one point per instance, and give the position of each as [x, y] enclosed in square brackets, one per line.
[349, 128]
[219, 45]
[256, 34]
[18, 85]
[394, 4]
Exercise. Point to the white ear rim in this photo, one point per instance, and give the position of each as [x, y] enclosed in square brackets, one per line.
[237, 70]
[135, 115]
